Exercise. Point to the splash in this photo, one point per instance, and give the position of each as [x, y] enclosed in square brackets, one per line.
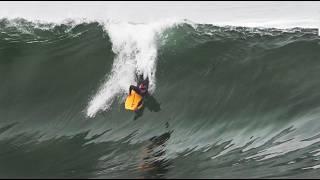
[135, 46]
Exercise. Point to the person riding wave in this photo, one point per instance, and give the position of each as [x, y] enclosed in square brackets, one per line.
[141, 89]
[147, 100]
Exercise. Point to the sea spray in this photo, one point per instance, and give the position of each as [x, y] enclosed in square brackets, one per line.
[135, 46]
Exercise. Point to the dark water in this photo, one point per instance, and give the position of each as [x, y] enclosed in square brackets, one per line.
[229, 102]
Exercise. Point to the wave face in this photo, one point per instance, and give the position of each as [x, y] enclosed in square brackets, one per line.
[226, 102]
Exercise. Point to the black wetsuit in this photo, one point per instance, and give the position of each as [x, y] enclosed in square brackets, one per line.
[138, 90]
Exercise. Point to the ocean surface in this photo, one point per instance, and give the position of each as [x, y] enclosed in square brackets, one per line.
[226, 101]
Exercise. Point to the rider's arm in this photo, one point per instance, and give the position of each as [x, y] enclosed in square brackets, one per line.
[135, 88]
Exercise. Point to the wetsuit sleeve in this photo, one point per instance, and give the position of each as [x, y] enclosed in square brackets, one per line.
[135, 88]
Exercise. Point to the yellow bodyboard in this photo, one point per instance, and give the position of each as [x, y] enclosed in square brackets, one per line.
[132, 101]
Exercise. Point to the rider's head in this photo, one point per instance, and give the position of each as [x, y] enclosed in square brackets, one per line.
[142, 87]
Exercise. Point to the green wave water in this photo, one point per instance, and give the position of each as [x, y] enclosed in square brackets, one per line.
[227, 102]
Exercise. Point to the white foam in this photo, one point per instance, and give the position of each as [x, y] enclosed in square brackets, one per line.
[266, 14]
[135, 46]
[312, 167]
